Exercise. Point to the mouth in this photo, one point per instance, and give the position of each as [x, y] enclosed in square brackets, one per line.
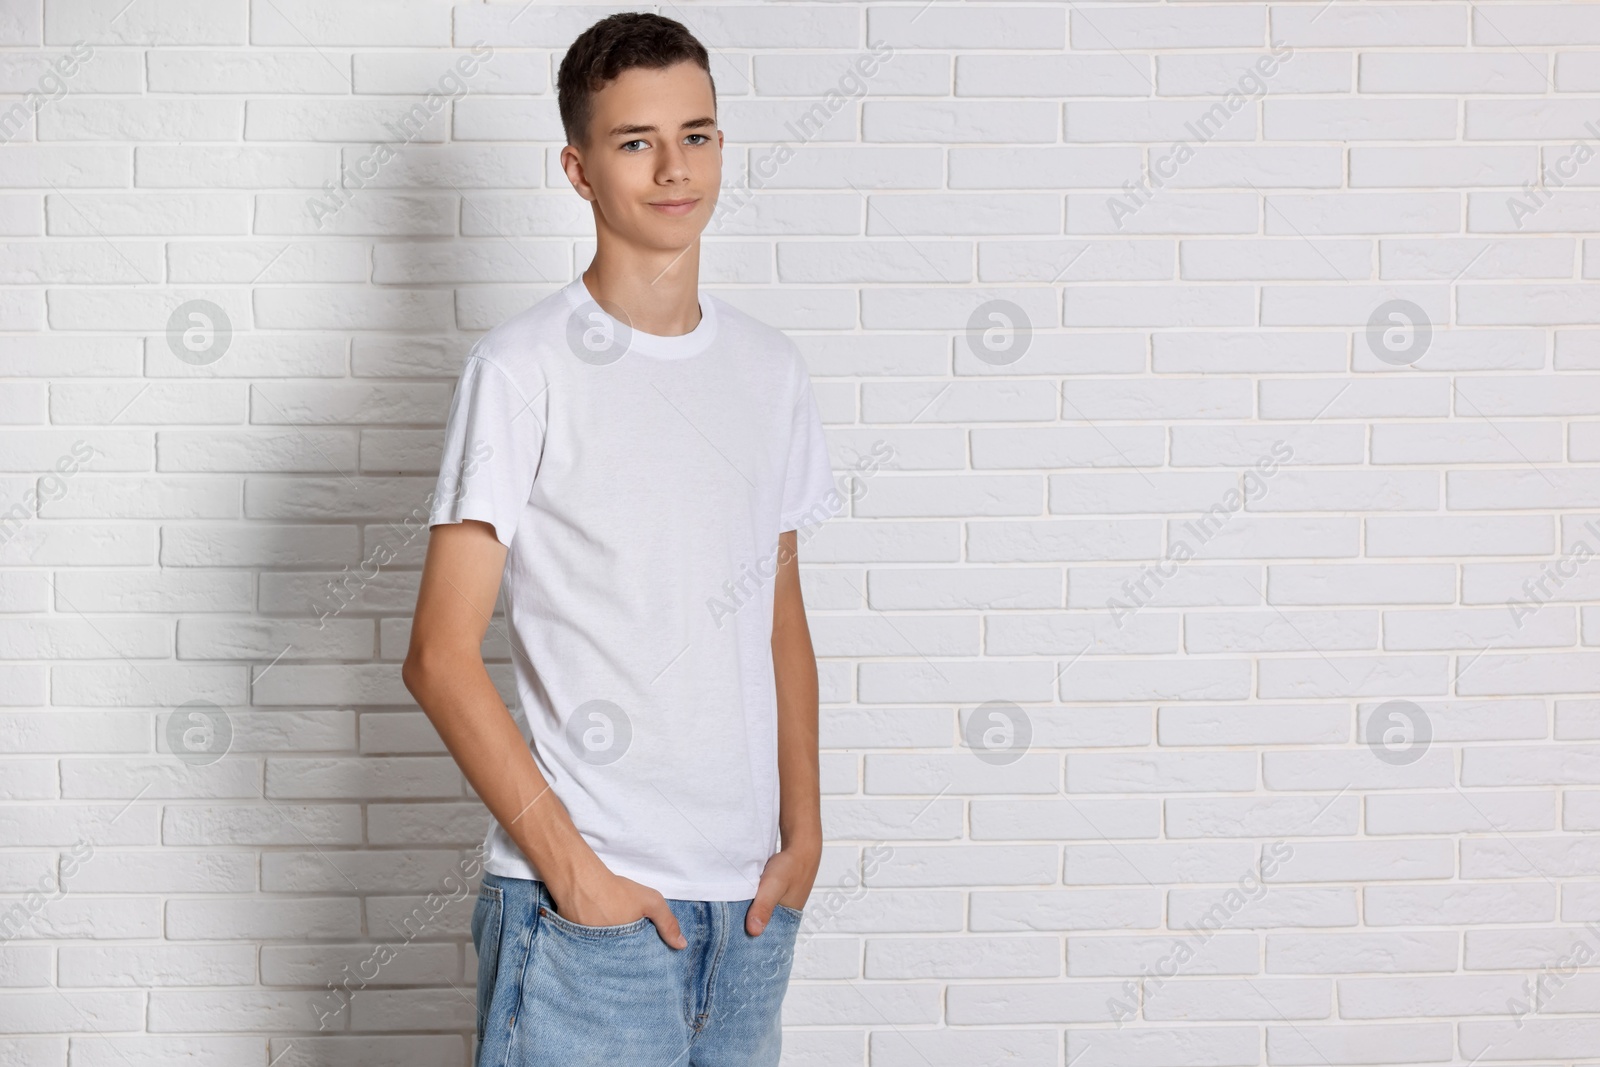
[675, 207]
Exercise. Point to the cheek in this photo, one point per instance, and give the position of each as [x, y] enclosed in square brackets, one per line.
[631, 181]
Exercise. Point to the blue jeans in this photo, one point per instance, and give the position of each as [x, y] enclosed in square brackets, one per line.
[552, 993]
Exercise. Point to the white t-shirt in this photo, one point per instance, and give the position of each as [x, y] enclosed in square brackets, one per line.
[640, 483]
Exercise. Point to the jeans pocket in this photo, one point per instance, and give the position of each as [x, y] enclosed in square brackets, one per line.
[580, 930]
[487, 917]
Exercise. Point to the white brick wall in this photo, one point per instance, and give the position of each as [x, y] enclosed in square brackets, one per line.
[1196, 827]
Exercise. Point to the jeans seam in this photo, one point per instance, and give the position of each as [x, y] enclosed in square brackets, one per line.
[491, 892]
[522, 975]
[689, 1018]
[721, 928]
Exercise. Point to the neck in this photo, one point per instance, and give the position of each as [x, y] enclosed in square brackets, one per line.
[656, 295]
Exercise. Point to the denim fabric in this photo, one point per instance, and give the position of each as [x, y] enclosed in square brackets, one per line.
[552, 993]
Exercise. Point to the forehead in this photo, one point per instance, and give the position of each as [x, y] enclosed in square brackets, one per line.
[646, 96]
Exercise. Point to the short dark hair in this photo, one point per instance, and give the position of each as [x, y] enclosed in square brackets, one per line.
[614, 44]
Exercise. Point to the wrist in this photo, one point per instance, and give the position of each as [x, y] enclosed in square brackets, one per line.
[567, 865]
[575, 871]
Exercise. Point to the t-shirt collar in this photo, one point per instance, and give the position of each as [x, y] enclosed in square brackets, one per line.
[650, 344]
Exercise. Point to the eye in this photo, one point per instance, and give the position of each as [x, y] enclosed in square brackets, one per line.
[703, 138]
[633, 142]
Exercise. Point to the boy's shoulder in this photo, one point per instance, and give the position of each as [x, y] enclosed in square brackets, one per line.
[759, 342]
[739, 326]
[524, 344]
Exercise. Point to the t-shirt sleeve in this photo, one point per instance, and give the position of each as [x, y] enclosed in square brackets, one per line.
[492, 442]
[809, 495]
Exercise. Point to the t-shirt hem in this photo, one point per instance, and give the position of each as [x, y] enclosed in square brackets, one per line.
[739, 890]
[813, 514]
[452, 515]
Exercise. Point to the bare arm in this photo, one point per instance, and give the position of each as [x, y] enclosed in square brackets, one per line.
[790, 872]
[444, 670]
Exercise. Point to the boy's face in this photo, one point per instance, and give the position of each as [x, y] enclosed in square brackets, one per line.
[654, 160]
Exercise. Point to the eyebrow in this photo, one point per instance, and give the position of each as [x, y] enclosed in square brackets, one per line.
[692, 124]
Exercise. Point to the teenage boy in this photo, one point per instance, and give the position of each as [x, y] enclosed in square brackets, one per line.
[627, 461]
